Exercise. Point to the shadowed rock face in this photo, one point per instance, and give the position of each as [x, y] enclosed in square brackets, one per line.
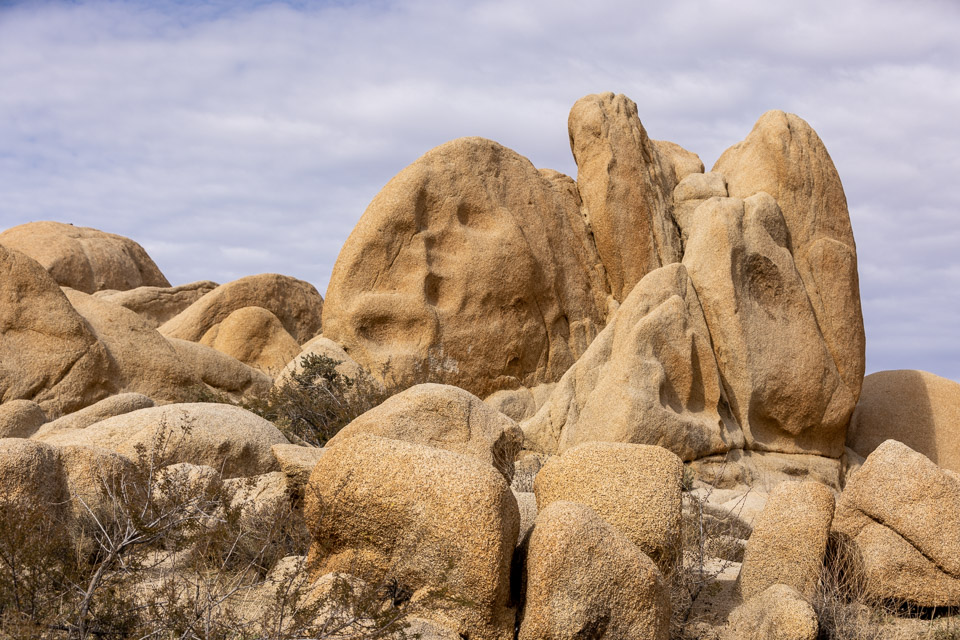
[85, 259]
[473, 263]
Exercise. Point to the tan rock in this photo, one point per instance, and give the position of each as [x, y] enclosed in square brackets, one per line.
[255, 337]
[470, 268]
[31, 478]
[83, 258]
[225, 437]
[634, 487]
[690, 193]
[521, 403]
[20, 418]
[107, 408]
[789, 540]
[144, 361]
[777, 613]
[48, 353]
[445, 417]
[784, 388]
[626, 189]
[428, 518]
[650, 377]
[297, 464]
[919, 409]
[156, 305]
[220, 372]
[678, 162]
[784, 157]
[296, 303]
[917, 505]
[586, 579]
[95, 480]
[258, 497]
[527, 503]
[321, 346]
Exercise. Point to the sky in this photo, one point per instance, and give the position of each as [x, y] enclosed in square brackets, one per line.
[233, 138]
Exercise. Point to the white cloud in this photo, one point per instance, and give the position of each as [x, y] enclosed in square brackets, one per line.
[266, 128]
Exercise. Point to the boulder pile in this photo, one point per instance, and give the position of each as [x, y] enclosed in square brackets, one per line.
[600, 395]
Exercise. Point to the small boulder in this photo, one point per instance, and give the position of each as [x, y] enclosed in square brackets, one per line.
[255, 337]
[297, 304]
[156, 305]
[20, 418]
[85, 259]
[31, 478]
[789, 540]
[902, 513]
[297, 464]
[445, 417]
[225, 437]
[426, 518]
[324, 347]
[777, 613]
[634, 487]
[586, 579]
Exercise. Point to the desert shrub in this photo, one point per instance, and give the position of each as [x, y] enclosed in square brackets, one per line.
[167, 557]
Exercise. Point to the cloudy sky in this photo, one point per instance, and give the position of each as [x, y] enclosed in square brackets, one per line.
[232, 138]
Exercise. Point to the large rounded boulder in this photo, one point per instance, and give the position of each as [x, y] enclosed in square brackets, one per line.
[426, 520]
[472, 268]
[48, 353]
[85, 259]
[296, 304]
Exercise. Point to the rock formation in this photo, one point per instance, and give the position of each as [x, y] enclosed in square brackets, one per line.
[85, 259]
[468, 251]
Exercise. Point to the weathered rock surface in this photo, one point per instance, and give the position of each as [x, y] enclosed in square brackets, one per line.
[426, 517]
[677, 162]
[48, 353]
[902, 513]
[784, 388]
[107, 408]
[220, 372]
[297, 464]
[789, 540]
[784, 157]
[521, 403]
[156, 305]
[85, 259]
[225, 437]
[650, 377]
[296, 303]
[634, 487]
[95, 479]
[144, 361]
[31, 479]
[690, 193]
[255, 337]
[586, 579]
[445, 417]
[919, 409]
[777, 613]
[468, 251]
[626, 187]
[20, 418]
